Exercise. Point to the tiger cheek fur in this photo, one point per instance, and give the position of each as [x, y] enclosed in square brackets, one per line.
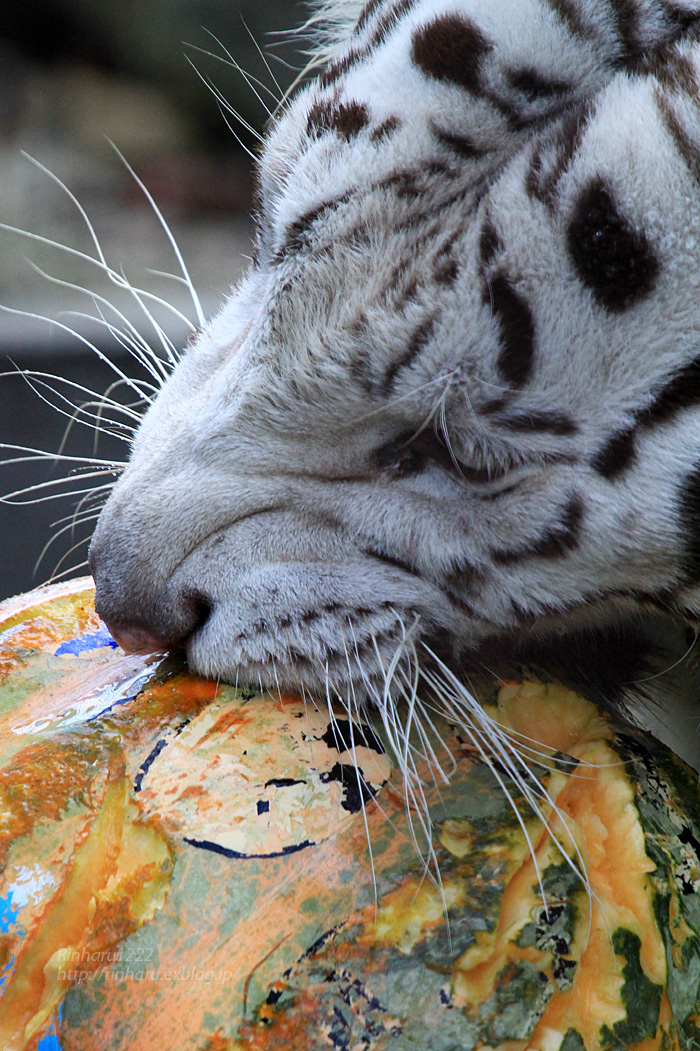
[457, 393]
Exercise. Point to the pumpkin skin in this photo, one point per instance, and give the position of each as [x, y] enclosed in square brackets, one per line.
[186, 865]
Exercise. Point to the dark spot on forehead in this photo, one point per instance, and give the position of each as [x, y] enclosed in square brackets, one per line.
[346, 118]
[450, 49]
[517, 330]
[611, 258]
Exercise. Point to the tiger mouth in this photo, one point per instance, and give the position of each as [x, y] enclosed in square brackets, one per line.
[332, 647]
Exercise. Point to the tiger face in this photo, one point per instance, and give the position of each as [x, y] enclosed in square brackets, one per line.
[455, 397]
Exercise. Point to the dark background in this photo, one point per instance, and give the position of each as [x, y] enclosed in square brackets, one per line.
[72, 73]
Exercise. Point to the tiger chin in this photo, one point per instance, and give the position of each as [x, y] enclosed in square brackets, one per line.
[452, 410]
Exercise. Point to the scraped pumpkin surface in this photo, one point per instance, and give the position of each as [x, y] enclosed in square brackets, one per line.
[187, 865]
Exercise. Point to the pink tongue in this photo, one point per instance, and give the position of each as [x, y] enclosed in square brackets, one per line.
[136, 639]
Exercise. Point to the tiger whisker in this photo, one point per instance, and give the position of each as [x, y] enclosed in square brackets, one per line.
[74, 547]
[10, 498]
[232, 64]
[75, 416]
[168, 233]
[92, 516]
[82, 339]
[224, 104]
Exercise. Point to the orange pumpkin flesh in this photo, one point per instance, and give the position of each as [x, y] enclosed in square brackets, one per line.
[221, 834]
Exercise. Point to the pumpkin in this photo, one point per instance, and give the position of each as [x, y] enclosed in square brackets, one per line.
[190, 865]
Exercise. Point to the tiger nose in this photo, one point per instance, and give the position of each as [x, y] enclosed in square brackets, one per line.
[133, 638]
[138, 621]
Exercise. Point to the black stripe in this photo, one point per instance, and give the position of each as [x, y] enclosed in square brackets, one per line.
[367, 12]
[415, 345]
[626, 20]
[542, 180]
[228, 852]
[617, 455]
[569, 13]
[459, 144]
[430, 446]
[555, 542]
[412, 182]
[517, 330]
[689, 150]
[462, 576]
[297, 232]
[148, 763]
[683, 18]
[389, 21]
[392, 560]
[490, 243]
[539, 422]
[531, 83]
[689, 511]
[347, 118]
[682, 392]
[497, 404]
[337, 69]
[674, 71]
[462, 604]
[446, 273]
[385, 128]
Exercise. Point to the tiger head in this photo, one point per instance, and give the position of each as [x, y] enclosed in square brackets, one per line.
[455, 397]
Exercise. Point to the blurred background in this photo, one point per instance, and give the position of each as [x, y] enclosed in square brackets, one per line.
[158, 78]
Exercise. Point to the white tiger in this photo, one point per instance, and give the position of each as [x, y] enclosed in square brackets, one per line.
[456, 399]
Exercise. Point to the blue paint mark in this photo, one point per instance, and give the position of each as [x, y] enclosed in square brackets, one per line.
[50, 1042]
[8, 918]
[8, 915]
[216, 848]
[87, 642]
[148, 763]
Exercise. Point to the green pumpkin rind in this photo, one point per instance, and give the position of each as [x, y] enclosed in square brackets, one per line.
[668, 803]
